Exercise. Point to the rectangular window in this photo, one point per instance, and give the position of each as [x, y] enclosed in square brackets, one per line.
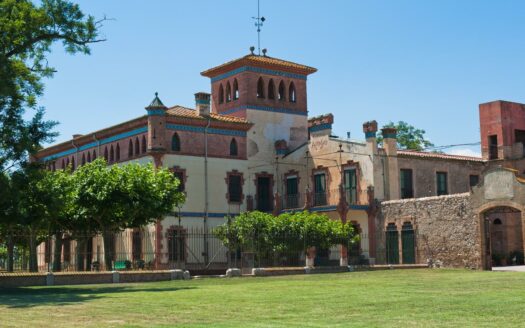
[67, 249]
[441, 181]
[137, 245]
[319, 189]
[234, 188]
[473, 180]
[406, 183]
[180, 176]
[292, 192]
[493, 147]
[350, 184]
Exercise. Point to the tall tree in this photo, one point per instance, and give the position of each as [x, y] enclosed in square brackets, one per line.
[28, 31]
[110, 199]
[408, 137]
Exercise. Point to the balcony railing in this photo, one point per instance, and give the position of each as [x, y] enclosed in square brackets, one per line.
[327, 198]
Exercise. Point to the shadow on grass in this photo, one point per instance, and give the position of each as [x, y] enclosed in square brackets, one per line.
[24, 297]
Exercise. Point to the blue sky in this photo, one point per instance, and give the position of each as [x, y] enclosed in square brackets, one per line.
[430, 63]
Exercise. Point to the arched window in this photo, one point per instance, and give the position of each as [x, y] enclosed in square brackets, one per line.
[83, 159]
[291, 93]
[111, 154]
[137, 146]
[497, 221]
[63, 164]
[117, 153]
[228, 92]
[281, 93]
[130, 148]
[144, 145]
[67, 161]
[94, 155]
[260, 88]
[106, 153]
[89, 157]
[233, 148]
[271, 90]
[235, 90]
[175, 142]
[221, 94]
[72, 163]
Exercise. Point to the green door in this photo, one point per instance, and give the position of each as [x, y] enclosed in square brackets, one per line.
[392, 244]
[408, 244]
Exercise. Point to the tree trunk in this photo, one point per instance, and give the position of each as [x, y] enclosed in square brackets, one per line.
[57, 255]
[10, 252]
[108, 250]
[79, 253]
[33, 261]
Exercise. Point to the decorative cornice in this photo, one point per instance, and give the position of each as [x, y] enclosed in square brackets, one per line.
[370, 134]
[264, 108]
[93, 144]
[320, 127]
[199, 129]
[156, 112]
[257, 70]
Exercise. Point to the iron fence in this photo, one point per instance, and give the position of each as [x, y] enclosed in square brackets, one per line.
[193, 249]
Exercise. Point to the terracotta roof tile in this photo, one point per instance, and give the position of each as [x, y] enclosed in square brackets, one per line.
[421, 154]
[180, 111]
[256, 60]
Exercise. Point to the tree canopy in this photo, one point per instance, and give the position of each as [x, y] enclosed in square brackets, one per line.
[408, 137]
[28, 33]
[289, 232]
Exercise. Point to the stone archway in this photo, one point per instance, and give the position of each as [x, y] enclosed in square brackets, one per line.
[502, 226]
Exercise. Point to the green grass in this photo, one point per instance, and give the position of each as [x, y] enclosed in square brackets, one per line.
[362, 299]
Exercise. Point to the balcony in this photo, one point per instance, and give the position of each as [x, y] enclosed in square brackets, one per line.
[327, 198]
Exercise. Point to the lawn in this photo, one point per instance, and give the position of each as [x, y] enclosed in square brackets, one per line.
[361, 299]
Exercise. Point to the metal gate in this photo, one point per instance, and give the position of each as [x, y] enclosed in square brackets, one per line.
[392, 244]
[408, 243]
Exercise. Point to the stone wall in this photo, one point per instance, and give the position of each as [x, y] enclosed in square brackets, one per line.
[446, 229]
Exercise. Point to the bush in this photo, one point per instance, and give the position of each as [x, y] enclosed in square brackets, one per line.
[262, 233]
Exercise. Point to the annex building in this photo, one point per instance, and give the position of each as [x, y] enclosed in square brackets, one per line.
[250, 145]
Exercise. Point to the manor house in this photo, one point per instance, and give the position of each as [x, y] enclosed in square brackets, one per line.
[250, 145]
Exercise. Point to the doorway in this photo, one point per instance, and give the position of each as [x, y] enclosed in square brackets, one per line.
[264, 194]
[503, 237]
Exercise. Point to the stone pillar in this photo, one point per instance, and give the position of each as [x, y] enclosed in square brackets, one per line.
[310, 257]
[391, 166]
[342, 210]
[371, 212]
[277, 204]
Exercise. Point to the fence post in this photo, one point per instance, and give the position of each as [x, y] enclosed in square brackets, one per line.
[310, 257]
[116, 277]
[50, 279]
[343, 260]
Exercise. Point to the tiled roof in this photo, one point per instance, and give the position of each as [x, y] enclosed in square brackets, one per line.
[421, 154]
[180, 111]
[260, 61]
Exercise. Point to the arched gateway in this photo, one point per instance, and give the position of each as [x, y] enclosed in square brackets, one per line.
[500, 206]
[479, 229]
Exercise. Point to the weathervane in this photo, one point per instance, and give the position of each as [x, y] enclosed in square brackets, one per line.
[259, 23]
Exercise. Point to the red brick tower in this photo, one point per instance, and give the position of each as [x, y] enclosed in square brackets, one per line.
[269, 92]
[502, 126]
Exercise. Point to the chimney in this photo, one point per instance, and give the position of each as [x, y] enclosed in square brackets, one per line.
[390, 141]
[391, 172]
[370, 130]
[320, 125]
[202, 103]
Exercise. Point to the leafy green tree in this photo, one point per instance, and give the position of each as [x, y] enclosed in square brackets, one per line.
[28, 32]
[287, 233]
[408, 137]
[110, 199]
[39, 202]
